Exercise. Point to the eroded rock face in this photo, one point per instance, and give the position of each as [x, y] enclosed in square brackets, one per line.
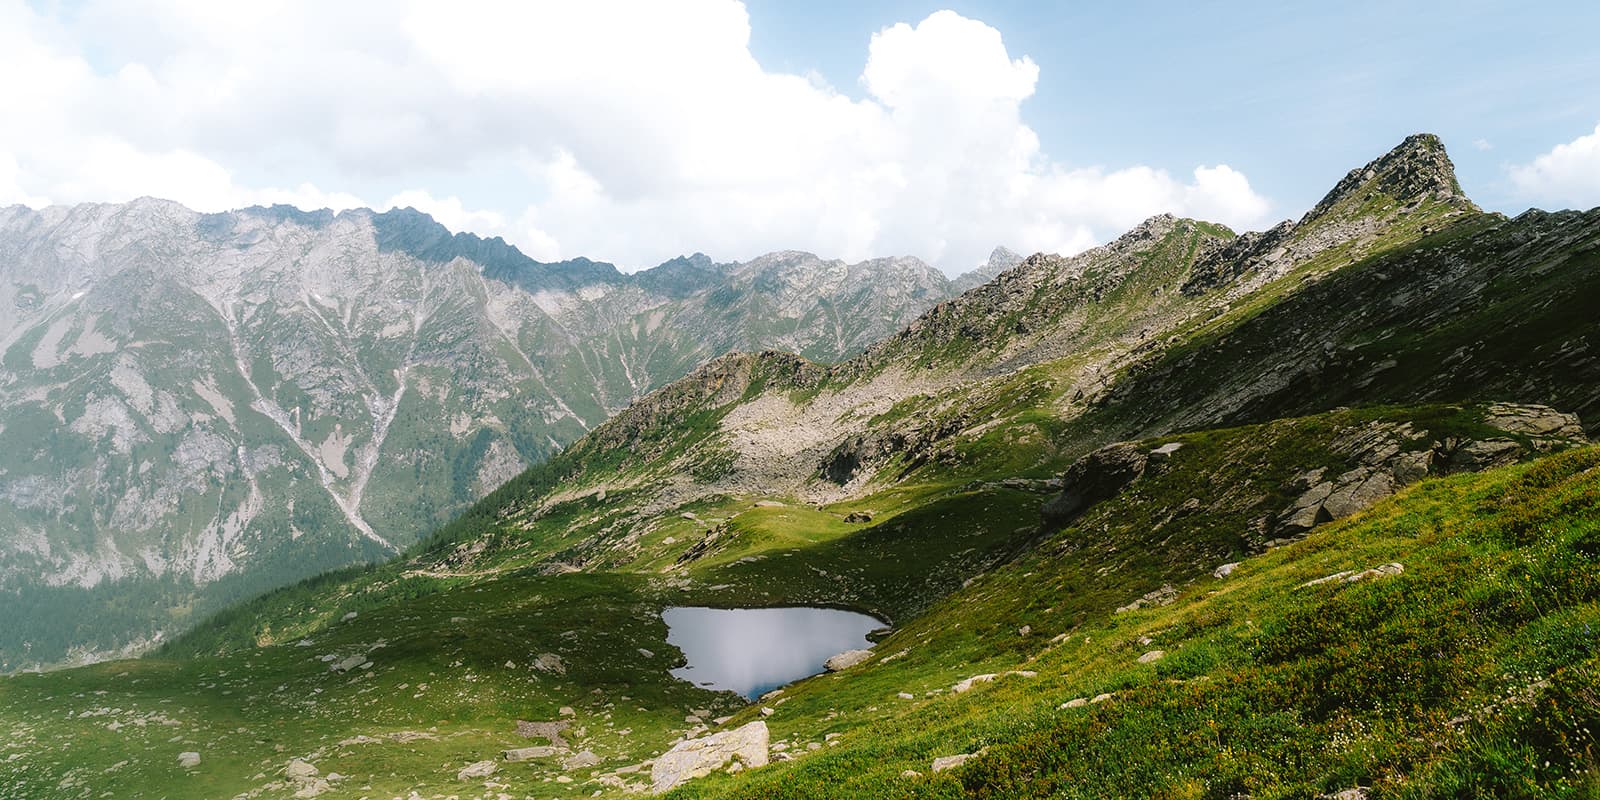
[745, 746]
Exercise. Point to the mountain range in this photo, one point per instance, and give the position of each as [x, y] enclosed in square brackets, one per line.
[1306, 512]
[195, 408]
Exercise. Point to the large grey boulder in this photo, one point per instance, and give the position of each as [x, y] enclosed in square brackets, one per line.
[744, 747]
[846, 660]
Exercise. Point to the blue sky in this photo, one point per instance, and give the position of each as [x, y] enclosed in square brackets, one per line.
[635, 130]
[1294, 94]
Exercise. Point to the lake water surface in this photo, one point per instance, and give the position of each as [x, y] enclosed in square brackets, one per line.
[752, 651]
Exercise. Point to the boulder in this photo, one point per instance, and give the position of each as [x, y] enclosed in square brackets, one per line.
[846, 660]
[1097, 476]
[550, 662]
[476, 770]
[312, 787]
[1152, 657]
[745, 746]
[529, 753]
[348, 664]
[1352, 576]
[858, 517]
[943, 763]
[580, 760]
[989, 677]
[189, 760]
[299, 770]
[550, 731]
[1224, 570]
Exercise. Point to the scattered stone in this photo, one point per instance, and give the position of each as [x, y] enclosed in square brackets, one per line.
[846, 660]
[1152, 657]
[1025, 630]
[1100, 698]
[348, 617]
[550, 662]
[566, 711]
[476, 770]
[1076, 702]
[550, 731]
[1165, 596]
[299, 770]
[189, 760]
[967, 684]
[745, 746]
[906, 696]
[1356, 793]
[911, 773]
[767, 711]
[943, 763]
[858, 517]
[1225, 570]
[1351, 576]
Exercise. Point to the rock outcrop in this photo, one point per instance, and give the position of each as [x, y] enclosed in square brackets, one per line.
[1095, 477]
[1390, 456]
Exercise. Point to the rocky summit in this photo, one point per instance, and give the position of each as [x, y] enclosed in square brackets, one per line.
[1302, 512]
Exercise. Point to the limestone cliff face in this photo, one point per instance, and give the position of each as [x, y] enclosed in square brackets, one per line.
[222, 403]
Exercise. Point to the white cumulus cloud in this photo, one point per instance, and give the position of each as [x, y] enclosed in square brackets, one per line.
[1568, 176]
[626, 131]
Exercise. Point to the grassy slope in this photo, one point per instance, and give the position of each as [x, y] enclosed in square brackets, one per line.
[456, 664]
[1475, 673]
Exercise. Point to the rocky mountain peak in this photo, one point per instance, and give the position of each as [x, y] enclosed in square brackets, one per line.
[1415, 170]
[1002, 258]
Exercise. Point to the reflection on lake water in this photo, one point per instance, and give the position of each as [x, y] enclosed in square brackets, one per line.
[752, 651]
